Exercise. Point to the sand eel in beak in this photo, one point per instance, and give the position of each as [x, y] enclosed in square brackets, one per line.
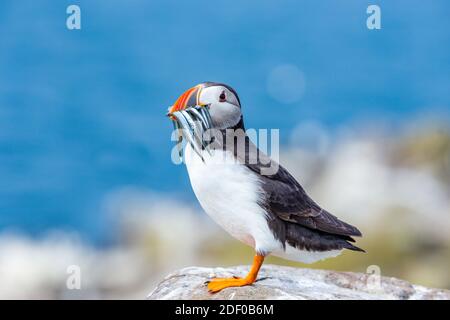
[237, 186]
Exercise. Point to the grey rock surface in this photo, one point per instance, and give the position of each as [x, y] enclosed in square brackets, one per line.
[278, 282]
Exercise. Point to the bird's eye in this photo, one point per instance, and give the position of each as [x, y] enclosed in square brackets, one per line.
[222, 97]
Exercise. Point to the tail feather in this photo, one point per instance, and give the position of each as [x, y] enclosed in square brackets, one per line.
[316, 240]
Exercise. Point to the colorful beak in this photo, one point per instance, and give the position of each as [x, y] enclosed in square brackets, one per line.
[187, 99]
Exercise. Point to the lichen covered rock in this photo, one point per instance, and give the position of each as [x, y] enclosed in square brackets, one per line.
[278, 282]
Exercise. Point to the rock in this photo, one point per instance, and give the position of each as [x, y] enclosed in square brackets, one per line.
[278, 282]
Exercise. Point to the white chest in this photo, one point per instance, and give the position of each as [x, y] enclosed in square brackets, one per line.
[229, 193]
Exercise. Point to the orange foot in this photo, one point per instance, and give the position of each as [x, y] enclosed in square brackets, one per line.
[217, 284]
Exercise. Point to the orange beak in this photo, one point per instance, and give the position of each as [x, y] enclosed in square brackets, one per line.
[187, 99]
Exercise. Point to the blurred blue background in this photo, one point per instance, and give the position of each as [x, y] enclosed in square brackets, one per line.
[82, 112]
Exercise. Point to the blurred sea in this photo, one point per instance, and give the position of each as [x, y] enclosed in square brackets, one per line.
[82, 113]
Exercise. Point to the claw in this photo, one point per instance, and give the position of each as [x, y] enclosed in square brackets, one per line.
[218, 284]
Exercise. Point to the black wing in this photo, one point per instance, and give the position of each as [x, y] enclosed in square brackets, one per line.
[286, 199]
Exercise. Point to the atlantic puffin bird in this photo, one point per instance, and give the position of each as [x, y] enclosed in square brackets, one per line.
[266, 209]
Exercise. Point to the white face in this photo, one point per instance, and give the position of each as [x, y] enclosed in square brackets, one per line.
[224, 106]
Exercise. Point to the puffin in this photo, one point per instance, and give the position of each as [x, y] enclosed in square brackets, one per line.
[250, 195]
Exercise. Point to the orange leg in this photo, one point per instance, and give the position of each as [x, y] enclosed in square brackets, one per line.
[217, 284]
